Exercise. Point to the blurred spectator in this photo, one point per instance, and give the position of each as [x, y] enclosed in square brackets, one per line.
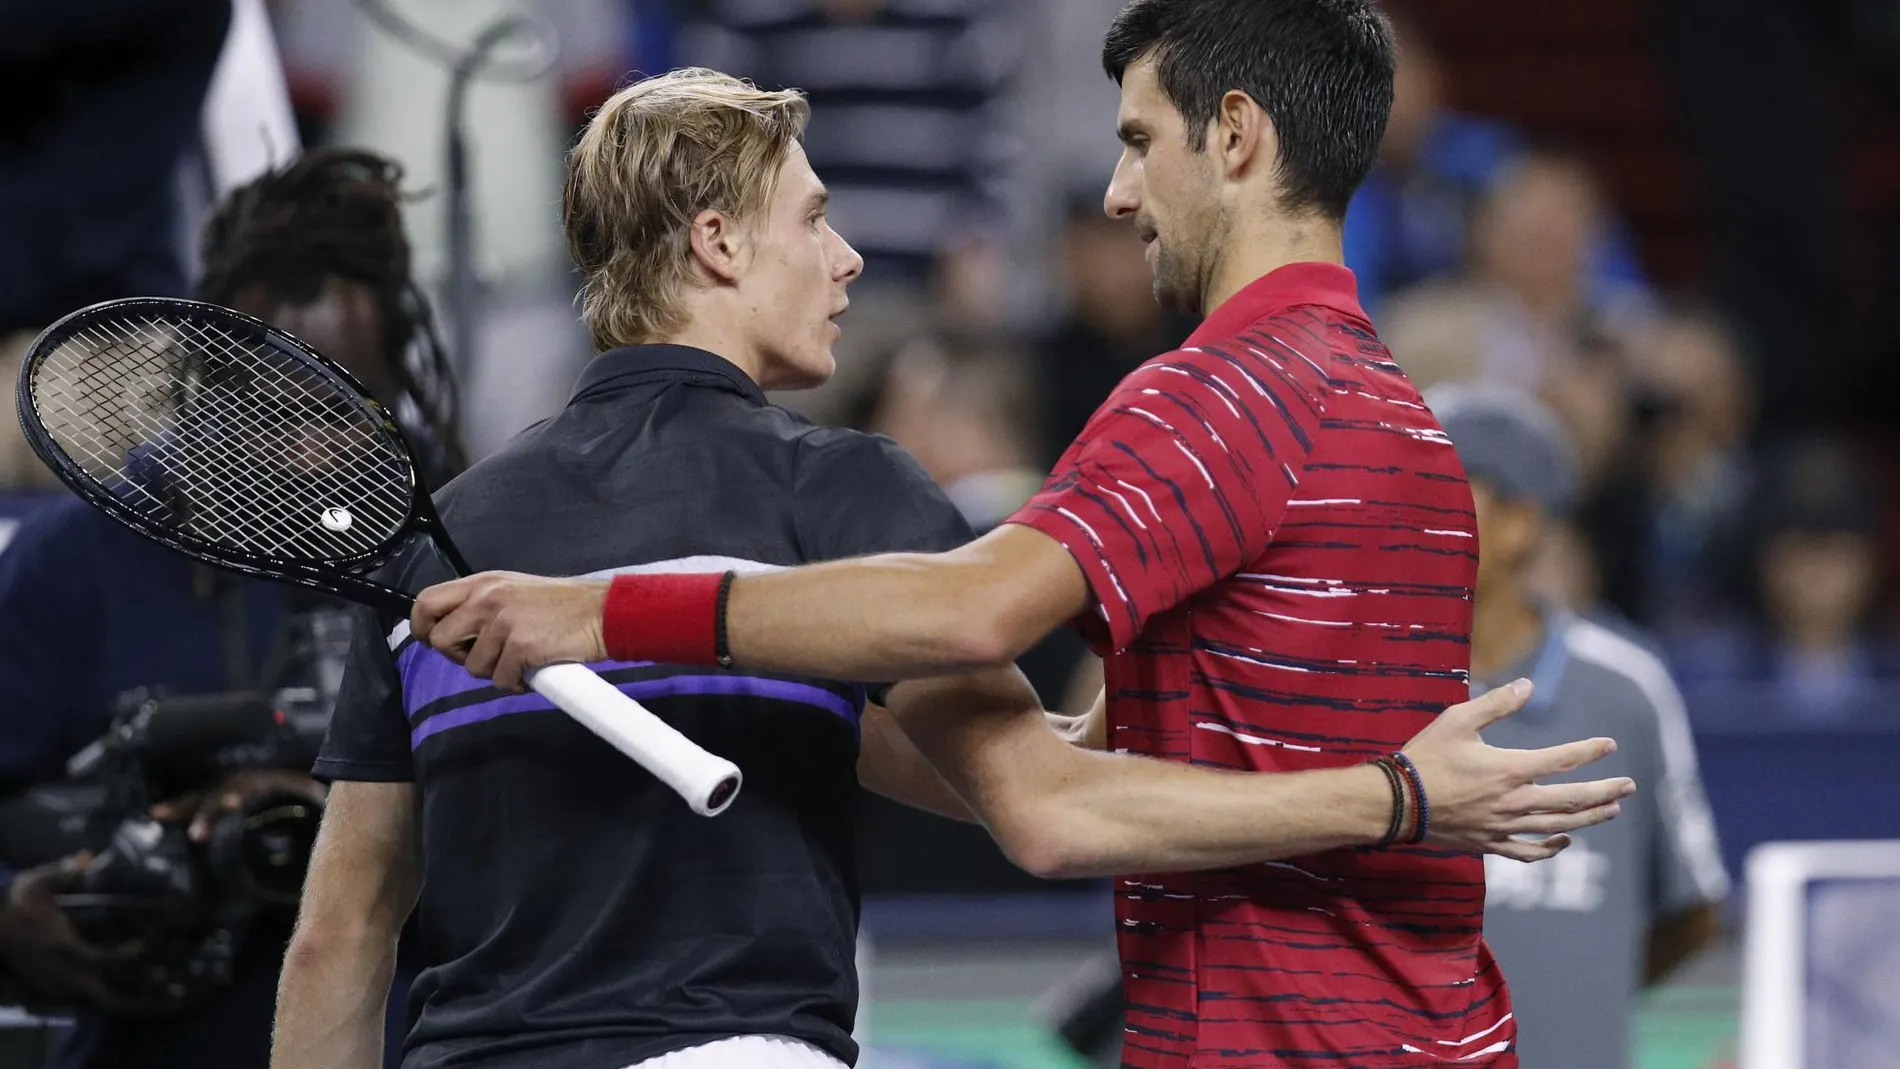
[1818, 572]
[1111, 324]
[1523, 314]
[1670, 524]
[103, 101]
[1410, 220]
[904, 96]
[969, 419]
[1580, 934]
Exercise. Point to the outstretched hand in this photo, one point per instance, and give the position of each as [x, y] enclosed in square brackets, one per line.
[1483, 798]
[501, 625]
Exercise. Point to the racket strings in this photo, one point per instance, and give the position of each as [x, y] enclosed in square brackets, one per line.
[225, 439]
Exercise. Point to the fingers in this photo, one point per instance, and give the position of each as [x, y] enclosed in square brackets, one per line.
[1552, 823]
[448, 615]
[176, 809]
[1495, 705]
[215, 806]
[437, 602]
[1531, 849]
[455, 634]
[511, 669]
[1568, 757]
[1573, 797]
[485, 651]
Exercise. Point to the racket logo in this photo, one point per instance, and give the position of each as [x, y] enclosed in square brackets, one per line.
[337, 519]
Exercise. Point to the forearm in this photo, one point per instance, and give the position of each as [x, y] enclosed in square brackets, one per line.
[906, 616]
[1118, 814]
[875, 619]
[365, 875]
[891, 765]
[1060, 811]
[331, 1001]
[890, 617]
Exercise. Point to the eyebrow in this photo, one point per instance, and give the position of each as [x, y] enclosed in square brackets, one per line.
[820, 199]
[1129, 130]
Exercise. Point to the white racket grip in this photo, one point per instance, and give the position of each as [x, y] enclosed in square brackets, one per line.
[708, 783]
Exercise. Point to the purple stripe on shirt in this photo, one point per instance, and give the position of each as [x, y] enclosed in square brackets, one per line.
[429, 677]
[664, 687]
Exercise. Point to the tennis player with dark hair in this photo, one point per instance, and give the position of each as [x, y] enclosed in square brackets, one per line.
[1266, 532]
[89, 610]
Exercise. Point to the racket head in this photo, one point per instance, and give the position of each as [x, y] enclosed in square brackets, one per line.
[226, 439]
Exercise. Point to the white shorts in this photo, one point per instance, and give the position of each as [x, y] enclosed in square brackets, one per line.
[746, 1052]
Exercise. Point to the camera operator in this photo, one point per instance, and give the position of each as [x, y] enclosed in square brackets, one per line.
[89, 611]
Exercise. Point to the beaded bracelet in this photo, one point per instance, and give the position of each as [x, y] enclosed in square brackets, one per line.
[1418, 789]
[1395, 779]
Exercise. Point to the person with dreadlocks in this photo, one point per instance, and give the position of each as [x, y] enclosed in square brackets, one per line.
[89, 611]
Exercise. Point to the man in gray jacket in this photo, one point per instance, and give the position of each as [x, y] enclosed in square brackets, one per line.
[1581, 934]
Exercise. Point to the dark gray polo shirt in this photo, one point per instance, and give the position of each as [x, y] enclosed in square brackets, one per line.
[574, 912]
[1572, 932]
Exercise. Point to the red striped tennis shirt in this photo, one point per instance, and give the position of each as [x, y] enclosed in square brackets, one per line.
[1282, 546]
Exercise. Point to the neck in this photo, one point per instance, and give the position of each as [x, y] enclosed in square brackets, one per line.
[1504, 629]
[715, 334]
[1255, 251]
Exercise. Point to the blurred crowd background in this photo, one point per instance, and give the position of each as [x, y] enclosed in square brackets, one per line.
[1678, 221]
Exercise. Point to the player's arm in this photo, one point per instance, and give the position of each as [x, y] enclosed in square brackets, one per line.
[885, 617]
[1061, 811]
[1088, 729]
[890, 764]
[365, 874]
[1178, 482]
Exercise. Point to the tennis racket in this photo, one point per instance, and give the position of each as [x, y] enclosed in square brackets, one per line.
[230, 441]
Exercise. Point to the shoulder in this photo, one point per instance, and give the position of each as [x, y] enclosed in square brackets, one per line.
[839, 452]
[1273, 361]
[856, 493]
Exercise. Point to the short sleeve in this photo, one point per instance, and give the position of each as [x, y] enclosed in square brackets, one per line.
[1687, 869]
[858, 494]
[368, 737]
[1178, 482]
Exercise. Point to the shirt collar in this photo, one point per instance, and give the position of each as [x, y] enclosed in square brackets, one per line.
[1308, 282]
[647, 363]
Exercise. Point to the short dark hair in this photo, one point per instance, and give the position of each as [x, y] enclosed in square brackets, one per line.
[337, 212]
[1320, 69]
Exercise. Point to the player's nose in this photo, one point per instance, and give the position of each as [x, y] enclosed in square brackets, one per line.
[1122, 199]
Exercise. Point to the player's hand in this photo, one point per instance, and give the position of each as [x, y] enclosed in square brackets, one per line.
[201, 810]
[498, 625]
[1483, 798]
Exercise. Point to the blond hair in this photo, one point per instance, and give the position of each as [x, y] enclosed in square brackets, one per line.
[657, 154]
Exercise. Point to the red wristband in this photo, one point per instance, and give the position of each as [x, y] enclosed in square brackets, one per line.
[673, 619]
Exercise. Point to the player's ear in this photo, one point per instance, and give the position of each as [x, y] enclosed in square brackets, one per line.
[718, 245]
[1242, 138]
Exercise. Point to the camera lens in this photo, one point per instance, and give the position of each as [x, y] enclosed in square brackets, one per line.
[263, 851]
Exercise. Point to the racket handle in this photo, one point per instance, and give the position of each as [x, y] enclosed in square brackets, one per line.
[708, 783]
